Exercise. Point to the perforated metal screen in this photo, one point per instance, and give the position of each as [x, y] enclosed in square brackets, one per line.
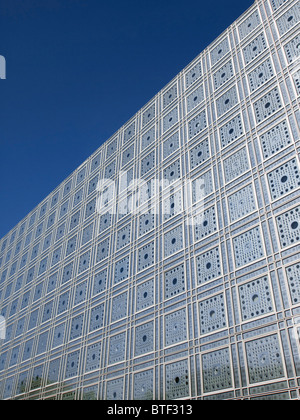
[130, 304]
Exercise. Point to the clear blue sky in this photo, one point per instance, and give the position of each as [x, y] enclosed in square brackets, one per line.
[77, 70]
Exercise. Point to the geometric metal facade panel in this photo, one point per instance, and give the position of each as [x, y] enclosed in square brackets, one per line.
[216, 371]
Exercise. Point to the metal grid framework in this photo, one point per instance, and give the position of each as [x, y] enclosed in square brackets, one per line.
[129, 306]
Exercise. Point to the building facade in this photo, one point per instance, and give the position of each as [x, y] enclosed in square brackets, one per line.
[167, 265]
